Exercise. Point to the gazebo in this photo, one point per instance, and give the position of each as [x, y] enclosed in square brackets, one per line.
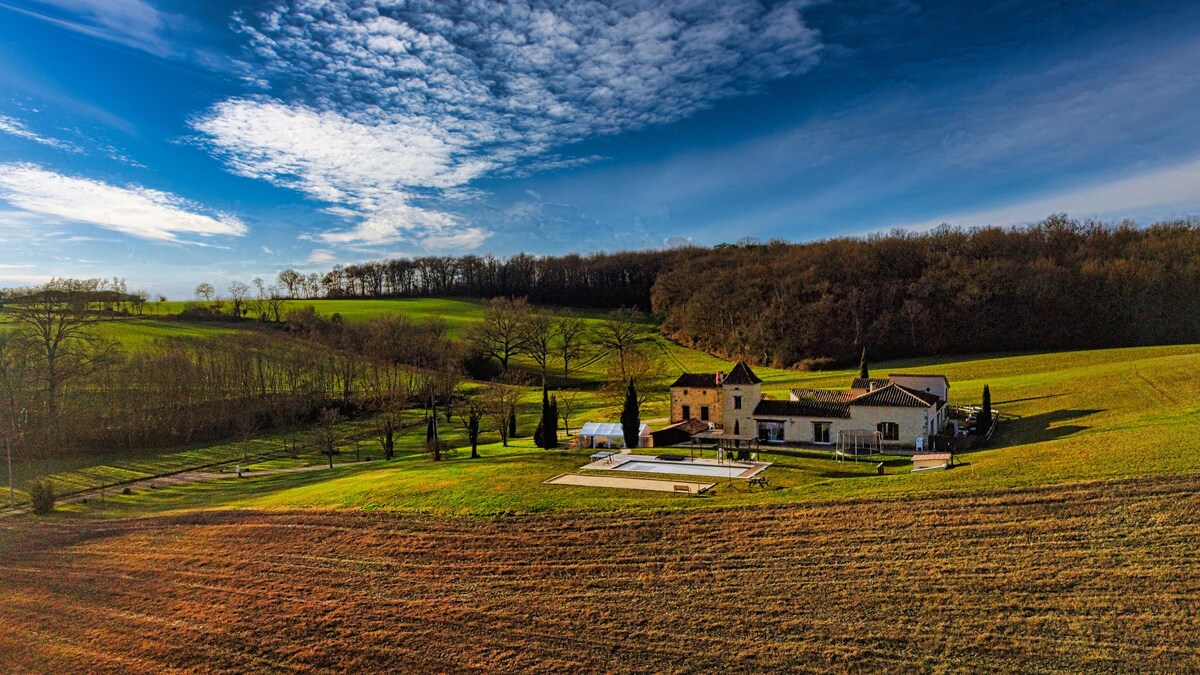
[605, 432]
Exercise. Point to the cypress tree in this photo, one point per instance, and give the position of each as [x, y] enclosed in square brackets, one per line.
[984, 421]
[512, 422]
[631, 421]
[553, 434]
[540, 436]
[863, 371]
[429, 430]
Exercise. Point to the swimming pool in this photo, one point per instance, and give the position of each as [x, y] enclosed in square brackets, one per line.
[684, 468]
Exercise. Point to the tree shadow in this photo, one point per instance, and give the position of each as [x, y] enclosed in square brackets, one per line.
[1038, 428]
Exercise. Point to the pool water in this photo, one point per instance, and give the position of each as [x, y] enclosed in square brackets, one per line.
[683, 468]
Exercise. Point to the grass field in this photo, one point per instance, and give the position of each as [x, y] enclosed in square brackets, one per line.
[1087, 578]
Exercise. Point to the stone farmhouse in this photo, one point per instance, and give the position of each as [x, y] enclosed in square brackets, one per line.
[900, 411]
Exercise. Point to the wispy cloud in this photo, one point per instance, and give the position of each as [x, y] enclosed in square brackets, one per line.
[15, 127]
[388, 110]
[133, 210]
[1153, 194]
[134, 23]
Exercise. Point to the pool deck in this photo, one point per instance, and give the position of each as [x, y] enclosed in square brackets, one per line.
[611, 463]
[651, 484]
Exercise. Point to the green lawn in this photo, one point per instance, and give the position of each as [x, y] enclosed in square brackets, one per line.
[1070, 416]
[1078, 416]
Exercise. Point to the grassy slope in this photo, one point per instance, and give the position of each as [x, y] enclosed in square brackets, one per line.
[1075, 416]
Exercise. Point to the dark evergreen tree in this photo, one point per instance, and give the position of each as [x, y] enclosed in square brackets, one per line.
[984, 421]
[863, 371]
[512, 422]
[553, 421]
[540, 437]
[429, 435]
[631, 421]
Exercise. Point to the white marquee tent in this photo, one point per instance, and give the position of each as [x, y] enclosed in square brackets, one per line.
[593, 434]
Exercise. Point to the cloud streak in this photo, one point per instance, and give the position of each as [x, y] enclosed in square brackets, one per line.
[132, 210]
[15, 127]
[386, 110]
[1153, 193]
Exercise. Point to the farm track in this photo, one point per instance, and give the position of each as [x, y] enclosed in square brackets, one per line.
[1092, 577]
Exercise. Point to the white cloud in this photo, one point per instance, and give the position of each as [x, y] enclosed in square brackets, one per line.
[389, 111]
[1150, 195]
[15, 127]
[321, 256]
[132, 210]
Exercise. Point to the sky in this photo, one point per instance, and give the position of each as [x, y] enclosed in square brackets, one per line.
[169, 143]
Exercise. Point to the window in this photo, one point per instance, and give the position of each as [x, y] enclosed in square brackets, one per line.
[703, 413]
[737, 402]
[889, 430]
[770, 431]
[820, 432]
[737, 427]
[687, 412]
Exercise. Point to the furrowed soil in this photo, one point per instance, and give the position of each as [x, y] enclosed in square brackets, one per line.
[1091, 577]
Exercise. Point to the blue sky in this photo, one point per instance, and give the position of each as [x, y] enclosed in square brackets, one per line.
[170, 143]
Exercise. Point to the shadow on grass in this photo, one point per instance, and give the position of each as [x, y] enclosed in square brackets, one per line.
[1037, 428]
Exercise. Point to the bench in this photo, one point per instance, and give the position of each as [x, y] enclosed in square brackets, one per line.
[760, 481]
[684, 488]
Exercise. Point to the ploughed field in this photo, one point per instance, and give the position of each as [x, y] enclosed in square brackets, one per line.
[1092, 576]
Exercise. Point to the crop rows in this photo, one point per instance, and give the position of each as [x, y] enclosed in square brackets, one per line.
[1093, 577]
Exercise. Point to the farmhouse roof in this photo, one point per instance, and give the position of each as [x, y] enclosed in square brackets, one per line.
[697, 381]
[823, 395]
[898, 396]
[869, 382]
[741, 374]
[809, 408]
[944, 378]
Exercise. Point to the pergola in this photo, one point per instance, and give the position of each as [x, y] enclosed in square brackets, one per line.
[728, 444]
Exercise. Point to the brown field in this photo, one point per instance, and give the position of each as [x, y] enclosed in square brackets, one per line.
[1089, 577]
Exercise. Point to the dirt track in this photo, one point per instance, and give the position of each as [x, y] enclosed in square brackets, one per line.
[1101, 577]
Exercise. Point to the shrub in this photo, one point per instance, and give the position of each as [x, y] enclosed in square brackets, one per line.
[41, 495]
[126, 491]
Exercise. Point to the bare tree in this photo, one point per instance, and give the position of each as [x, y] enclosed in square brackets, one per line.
[387, 426]
[500, 401]
[60, 333]
[275, 303]
[327, 433]
[570, 340]
[237, 294]
[312, 285]
[500, 334]
[205, 290]
[537, 338]
[291, 280]
[640, 365]
[568, 405]
[618, 334]
[471, 414]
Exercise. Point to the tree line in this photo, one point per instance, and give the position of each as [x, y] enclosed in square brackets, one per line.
[1058, 284]
[603, 280]
[66, 385]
